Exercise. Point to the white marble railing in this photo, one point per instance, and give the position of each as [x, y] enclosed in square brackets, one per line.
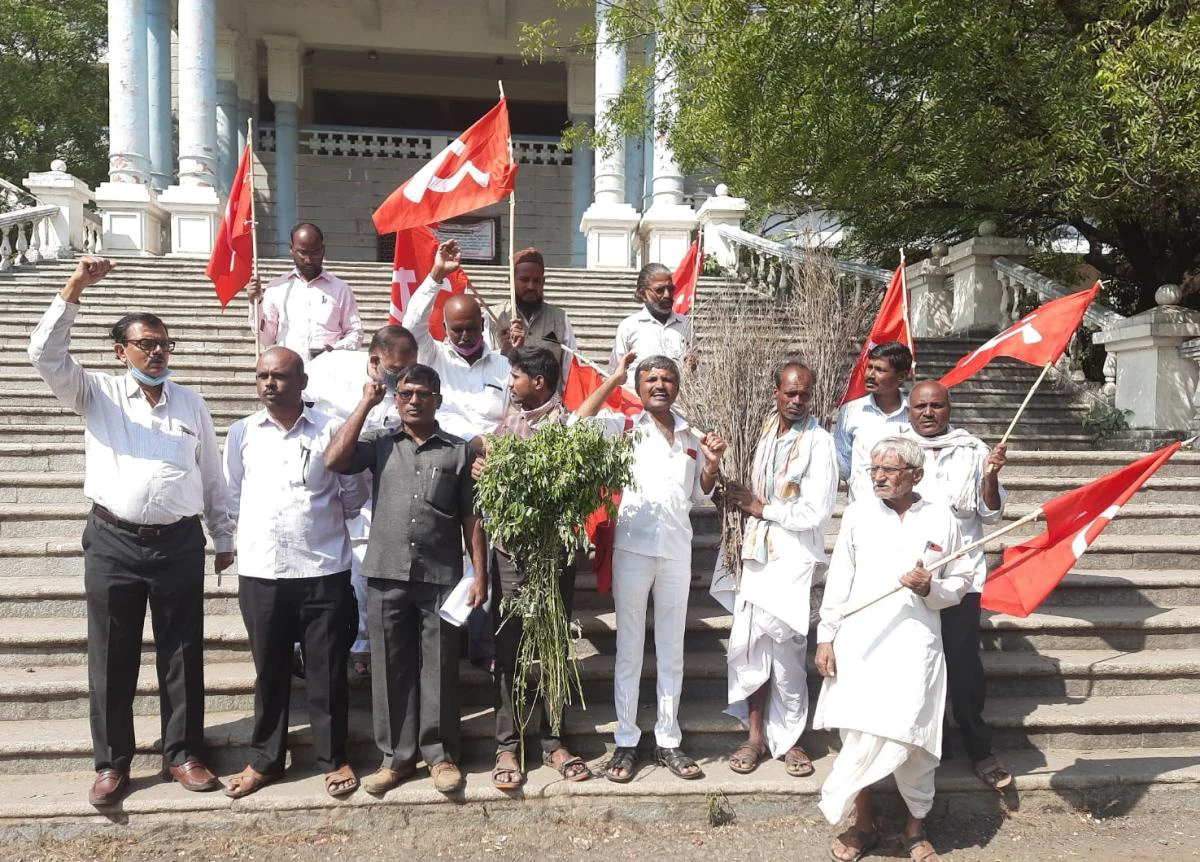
[29, 228]
[766, 265]
[404, 144]
[93, 233]
[1016, 280]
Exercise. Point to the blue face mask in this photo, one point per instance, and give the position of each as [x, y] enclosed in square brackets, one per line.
[390, 380]
[146, 380]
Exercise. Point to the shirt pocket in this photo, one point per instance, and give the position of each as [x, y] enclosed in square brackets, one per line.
[177, 448]
[441, 492]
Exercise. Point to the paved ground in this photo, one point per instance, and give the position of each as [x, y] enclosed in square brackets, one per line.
[390, 834]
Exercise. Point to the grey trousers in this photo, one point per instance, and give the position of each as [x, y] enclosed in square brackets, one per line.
[414, 674]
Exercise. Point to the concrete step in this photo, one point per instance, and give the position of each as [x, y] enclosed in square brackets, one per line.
[1119, 627]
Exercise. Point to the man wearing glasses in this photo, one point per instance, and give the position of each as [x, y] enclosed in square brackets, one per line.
[656, 330]
[424, 513]
[151, 466]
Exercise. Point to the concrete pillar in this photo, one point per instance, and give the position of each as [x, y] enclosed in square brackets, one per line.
[930, 301]
[285, 89]
[226, 108]
[247, 86]
[1155, 381]
[720, 209]
[582, 159]
[609, 222]
[158, 64]
[70, 194]
[193, 203]
[978, 296]
[128, 93]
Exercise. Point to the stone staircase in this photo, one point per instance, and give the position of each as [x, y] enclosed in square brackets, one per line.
[1096, 698]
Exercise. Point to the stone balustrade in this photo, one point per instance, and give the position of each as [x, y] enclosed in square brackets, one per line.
[25, 237]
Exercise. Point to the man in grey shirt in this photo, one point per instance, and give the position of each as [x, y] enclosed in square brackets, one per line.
[424, 510]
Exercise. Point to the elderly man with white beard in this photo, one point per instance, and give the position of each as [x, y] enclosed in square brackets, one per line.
[961, 472]
[885, 677]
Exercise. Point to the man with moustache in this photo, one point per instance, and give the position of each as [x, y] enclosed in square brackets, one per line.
[656, 330]
[474, 377]
[885, 678]
[309, 309]
[294, 567]
[787, 507]
[538, 323]
[151, 466]
[963, 474]
[864, 421]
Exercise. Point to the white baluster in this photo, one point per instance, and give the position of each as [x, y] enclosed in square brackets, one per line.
[1110, 376]
[97, 241]
[22, 245]
[34, 254]
[6, 261]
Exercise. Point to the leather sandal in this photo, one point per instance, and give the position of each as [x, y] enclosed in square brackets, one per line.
[248, 781]
[624, 759]
[919, 849]
[676, 761]
[797, 763]
[344, 776]
[499, 771]
[746, 757]
[866, 843]
[570, 767]
[992, 772]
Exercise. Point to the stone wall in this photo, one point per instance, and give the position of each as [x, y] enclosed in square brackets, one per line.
[339, 193]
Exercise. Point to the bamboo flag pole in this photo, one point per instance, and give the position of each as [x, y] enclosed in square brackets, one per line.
[907, 321]
[949, 558]
[484, 303]
[1025, 403]
[512, 231]
[253, 234]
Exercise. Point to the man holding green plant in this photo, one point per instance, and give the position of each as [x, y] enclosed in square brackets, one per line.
[652, 553]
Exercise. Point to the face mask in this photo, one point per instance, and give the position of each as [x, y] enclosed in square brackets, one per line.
[464, 352]
[390, 380]
[146, 380]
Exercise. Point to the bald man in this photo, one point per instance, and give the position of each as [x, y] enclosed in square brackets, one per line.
[294, 563]
[474, 377]
[309, 309]
[962, 473]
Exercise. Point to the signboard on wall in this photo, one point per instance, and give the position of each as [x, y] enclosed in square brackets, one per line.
[478, 237]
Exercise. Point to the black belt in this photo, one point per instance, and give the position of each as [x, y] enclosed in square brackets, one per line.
[142, 531]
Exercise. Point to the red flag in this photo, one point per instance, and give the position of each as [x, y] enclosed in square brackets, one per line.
[686, 278]
[891, 324]
[232, 261]
[583, 380]
[411, 262]
[475, 170]
[1073, 521]
[1038, 338]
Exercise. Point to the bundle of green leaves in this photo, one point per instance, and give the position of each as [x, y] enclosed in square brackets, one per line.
[536, 495]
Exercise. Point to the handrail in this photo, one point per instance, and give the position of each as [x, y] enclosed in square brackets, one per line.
[1097, 315]
[777, 249]
[26, 215]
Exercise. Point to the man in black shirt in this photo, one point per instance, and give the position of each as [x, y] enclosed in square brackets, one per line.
[424, 510]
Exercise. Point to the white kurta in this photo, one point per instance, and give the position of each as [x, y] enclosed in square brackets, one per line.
[890, 679]
[771, 606]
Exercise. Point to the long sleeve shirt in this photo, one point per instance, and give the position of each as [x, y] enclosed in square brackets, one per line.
[291, 511]
[147, 464]
[474, 395]
[860, 425]
[647, 336]
[308, 316]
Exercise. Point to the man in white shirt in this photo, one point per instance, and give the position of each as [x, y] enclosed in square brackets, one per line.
[309, 310]
[656, 330]
[335, 382]
[963, 474]
[652, 553]
[474, 377]
[151, 466]
[863, 422]
[879, 648]
[294, 566]
[787, 507]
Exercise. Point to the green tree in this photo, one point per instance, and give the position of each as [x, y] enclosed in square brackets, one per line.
[53, 88]
[915, 120]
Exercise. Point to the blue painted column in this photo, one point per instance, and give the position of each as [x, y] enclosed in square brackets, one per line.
[158, 65]
[227, 134]
[582, 165]
[287, 144]
[635, 170]
[128, 93]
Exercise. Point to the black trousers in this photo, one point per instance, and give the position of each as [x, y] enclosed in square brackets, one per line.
[505, 579]
[414, 673]
[121, 574]
[966, 684]
[321, 614]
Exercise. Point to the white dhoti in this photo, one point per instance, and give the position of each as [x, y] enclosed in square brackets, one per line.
[866, 758]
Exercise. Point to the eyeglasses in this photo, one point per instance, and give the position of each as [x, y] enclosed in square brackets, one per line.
[415, 395]
[147, 345]
[887, 471]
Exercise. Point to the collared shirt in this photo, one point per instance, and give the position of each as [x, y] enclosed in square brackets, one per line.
[653, 519]
[145, 464]
[549, 328]
[474, 396]
[309, 315]
[860, 425]
[290, 510]
[954, 477]
[422, 494]
[647, 336]
[522, 423]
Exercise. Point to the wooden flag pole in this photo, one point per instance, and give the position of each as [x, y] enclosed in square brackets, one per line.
[253, 236]
[950, 558]
[483, 302]
[907, 322]
[1025, 403]
[512, 231]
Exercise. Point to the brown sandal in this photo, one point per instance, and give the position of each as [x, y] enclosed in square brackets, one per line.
[797, 763]
[511, 783]
[920, 850]
[248, 781]
[992, 772]
[570, 767]
[746, 757]
[344, 776]
[866, 843]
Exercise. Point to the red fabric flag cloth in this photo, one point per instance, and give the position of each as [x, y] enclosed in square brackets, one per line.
[891, 324]
[231, 264]
[686, 277]
[475, 170]
[1073, 521]
[583, 380]
[1038, 338]
[411, 262]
